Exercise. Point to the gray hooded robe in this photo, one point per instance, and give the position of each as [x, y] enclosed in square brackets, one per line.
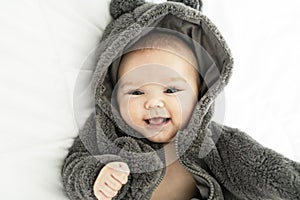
[225, 162]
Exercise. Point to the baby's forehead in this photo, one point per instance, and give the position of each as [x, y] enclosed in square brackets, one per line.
[155, 74]
[157, 62]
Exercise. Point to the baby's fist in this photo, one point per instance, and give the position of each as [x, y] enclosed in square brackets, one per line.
[110, 180]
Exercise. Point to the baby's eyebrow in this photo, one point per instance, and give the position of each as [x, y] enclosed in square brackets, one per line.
[126, 84]
[176, 79]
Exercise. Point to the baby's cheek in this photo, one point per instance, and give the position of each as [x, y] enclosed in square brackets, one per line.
[124, 109]
[133, 111]
[174, 107]
[134, 104]
[187, 104]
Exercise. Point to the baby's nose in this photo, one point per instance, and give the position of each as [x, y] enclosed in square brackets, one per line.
[154, 103]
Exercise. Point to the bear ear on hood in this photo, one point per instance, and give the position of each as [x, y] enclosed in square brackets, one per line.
[196, 4]
[119, 7]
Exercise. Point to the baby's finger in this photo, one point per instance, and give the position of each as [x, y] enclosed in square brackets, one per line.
[106, 192]
[101, 196]
[119, 171]
[120, 177]
[113, 183]
[119, 166]
[109, 192]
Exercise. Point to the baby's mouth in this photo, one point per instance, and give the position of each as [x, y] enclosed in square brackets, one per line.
[157, 121]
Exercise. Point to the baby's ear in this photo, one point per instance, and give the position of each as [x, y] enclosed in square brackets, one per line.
[197, 4]
[119, 7]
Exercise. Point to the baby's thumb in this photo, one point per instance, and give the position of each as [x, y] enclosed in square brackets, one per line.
[120, 166]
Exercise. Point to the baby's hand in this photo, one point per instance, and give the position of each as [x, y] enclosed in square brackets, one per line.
[110, 180]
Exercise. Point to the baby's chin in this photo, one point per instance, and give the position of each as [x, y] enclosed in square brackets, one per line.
[160, 138]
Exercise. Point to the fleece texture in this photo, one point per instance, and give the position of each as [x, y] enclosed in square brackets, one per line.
[225, 162]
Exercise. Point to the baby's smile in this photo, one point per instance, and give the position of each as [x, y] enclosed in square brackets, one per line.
[157, 122]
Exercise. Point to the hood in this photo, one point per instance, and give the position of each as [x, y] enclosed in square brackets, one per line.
[136, 18]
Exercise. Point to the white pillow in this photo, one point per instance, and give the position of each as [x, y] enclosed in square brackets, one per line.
[43, 46]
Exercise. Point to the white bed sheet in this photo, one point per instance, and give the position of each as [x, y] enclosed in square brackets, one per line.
[43, 46]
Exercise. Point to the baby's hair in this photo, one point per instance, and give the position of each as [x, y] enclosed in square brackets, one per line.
[166, 42]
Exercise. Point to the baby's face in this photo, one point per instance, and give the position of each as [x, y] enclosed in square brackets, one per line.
[157, 92]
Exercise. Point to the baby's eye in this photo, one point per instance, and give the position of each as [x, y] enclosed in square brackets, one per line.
[171, 90]
[136, 92]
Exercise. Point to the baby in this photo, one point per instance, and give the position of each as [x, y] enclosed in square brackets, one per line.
[157, 92]
[151, 136]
